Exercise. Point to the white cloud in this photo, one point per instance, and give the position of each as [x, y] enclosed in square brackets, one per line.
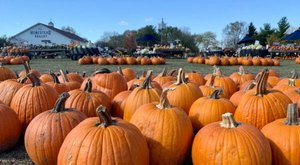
[149, 19]
[123, 23]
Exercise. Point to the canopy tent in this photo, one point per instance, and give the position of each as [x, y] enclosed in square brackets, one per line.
[147, 37]
[246, 39]
[293, 36]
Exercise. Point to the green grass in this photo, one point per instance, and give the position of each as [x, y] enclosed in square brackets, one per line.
[43, 65]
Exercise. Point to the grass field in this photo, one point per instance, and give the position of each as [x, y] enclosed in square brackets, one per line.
[43, 65]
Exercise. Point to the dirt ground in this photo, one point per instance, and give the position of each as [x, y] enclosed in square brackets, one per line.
[15, 156]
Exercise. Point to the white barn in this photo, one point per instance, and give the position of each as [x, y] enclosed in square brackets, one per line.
[41, 34]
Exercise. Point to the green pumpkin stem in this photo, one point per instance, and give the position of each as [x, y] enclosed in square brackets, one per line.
[105, 119]
[35, 80]
[261, 87]
[292, 115]
[64, 76]
[88, 86]
[242, 70]
[101, 71]
[164, 102]
[60, 103]
[55, 78]
[294, 74]
[228, 121]
[216, 94]
[147, 82]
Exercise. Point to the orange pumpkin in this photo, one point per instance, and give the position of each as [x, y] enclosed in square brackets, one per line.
[229, 142]
[6, 73]
[49, 129]
[29, 70]
[114, 140]
[59, 87]
[110, 83]
[196, 78]
[118, 104]
[163, 78]
[236, 97]
[294, 95]
[185, 93]
[10, 128]
[153, 120]
[70, 84]
[294, 76]
[241, 76]
[87, 100]
[140, 95]
[207, 110]
[46, 77]
[285, 148]
[33, 99]
[128, 73]
[9, 88]
[260, 106]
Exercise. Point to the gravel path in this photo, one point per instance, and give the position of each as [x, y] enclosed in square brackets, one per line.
[15, 156]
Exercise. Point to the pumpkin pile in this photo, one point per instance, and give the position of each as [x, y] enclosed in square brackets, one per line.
[14, 60]
[140, 60]
[224, 61]
[166, 118]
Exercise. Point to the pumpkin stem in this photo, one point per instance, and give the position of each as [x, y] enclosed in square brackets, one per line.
[241, 70]
[133, 86]
[292, 115]
[218, 72]
[83, 74]
[294, 74]
[35, 81]
[216, 94]
[55, 78]
[291, 82]
[16, 73]
[105, 119]
[164, 102]
[101, 71]
[181, 77]
[172, 72]
[22, 80]
[147, 82]
[228, 121]
[88, 86]
[26, 66]
[64, 76]
[249, 86]
[60, 103]
[261, 87]
[212, 80]
[67, 72]
[120, 71]
[163, 73]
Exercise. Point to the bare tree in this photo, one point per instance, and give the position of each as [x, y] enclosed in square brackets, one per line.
[69, 29]
[207, 39]
[232, 33]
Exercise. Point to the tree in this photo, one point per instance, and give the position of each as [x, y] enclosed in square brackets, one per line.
[251, 30]
[265, 33]
[283, 26]
[4, 41]
[147, 30]
[206, 40]
[69, 29]
[111, 39]
[130, 40]
[232, 33]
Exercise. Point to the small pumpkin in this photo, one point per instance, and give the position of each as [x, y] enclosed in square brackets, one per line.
[59, 87]
[114, 140]
[70, 84]
[241, 76]
[162, 78]
[196, 78]
[6, 73]
[49, 129]
[207, 110]
[229, 142]
[87, 100]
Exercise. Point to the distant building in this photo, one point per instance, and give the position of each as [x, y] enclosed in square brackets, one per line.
[41, 34]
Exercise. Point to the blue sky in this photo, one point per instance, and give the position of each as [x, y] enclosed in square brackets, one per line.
[91, 18]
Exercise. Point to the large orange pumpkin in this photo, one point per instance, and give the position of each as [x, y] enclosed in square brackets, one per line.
[33, 99]
[109, 140]
[166, 147]
[110, 83]
[139, 96]
[10, 128]
[260, 106]
[229, 142]
[207, 110]
[284, 137]
[47, 131]
[87, 100]
[196, 78]
[128, 73]
[185, 93]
